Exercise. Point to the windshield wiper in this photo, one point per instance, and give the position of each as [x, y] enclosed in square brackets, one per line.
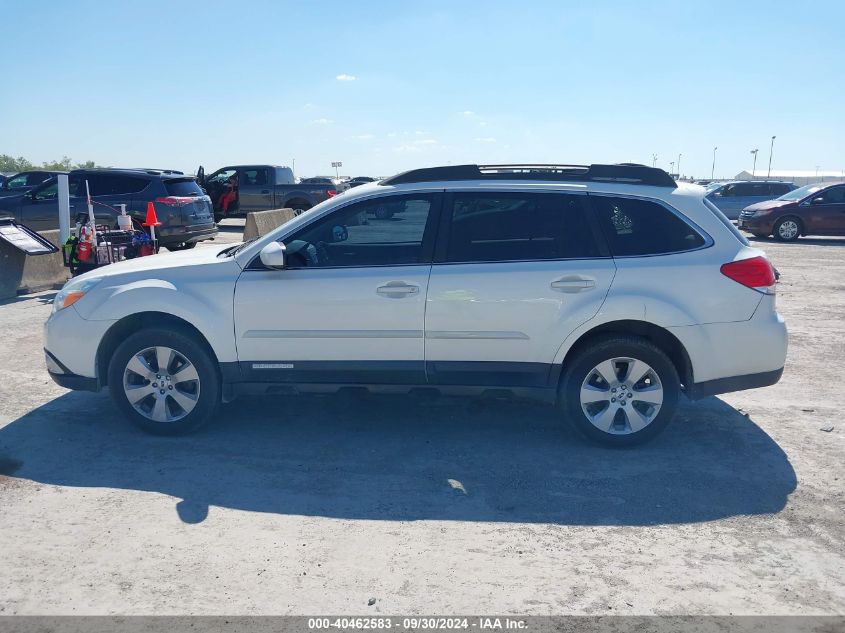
[237, 248]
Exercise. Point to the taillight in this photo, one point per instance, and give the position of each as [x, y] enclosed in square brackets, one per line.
[332, 193]
[755, 272]
[177, 201]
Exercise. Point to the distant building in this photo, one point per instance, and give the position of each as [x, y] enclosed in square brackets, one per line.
[799, 177]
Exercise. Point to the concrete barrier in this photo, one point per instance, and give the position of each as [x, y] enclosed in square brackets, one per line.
[260, 223]
[44, 272]
[21, 274]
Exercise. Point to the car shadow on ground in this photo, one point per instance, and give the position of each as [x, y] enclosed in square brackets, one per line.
[398, 458]
[807, 241]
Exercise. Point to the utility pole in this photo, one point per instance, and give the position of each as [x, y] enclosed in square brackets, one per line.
[679, 165]
[754, 169]
[713, 168]
[653, 160]
[671, 168]
[771, 149]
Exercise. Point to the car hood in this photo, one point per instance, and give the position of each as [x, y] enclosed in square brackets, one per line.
[769, 204]
[160, 262]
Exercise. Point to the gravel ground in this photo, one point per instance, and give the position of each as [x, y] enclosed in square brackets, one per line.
[319, 504]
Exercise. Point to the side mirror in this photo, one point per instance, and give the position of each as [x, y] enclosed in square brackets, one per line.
[273, 255]
[818, 200]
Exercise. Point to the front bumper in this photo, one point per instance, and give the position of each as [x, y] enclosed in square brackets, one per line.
[763, 224]
[72, 343]
[64, 377]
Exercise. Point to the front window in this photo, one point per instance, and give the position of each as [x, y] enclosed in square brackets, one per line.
[801, 192]
[384, 231]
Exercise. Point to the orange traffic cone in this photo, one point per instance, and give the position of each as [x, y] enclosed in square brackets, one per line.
[152, 218]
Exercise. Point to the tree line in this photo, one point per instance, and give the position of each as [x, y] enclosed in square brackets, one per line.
[10, 164]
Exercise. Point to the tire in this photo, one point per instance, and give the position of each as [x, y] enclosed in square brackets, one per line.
[182, 246]
[629, 420]
[185, 404]
[787, 229]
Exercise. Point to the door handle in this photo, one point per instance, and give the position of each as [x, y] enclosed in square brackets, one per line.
[573, 283]
[397, 289]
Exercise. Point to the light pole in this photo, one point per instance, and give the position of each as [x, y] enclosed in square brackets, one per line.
[713, 168]
[671, 168]
[653, 160]
[679, 165]
[771, 149]
[754, 169]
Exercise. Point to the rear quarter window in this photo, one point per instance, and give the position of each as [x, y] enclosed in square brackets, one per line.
[642, 227]
[183, 188]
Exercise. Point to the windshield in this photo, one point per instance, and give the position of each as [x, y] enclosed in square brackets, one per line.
[712, 186]
[801, 192]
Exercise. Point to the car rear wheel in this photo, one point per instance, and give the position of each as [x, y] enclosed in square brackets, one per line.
[164, 381]
[788, 229]
[620, 391]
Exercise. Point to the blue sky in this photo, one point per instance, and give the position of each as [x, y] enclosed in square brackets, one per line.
[386, 86]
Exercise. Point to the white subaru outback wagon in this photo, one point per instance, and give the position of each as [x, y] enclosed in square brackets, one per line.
[607, 290]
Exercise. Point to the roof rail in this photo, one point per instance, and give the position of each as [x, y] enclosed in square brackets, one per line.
[624, 172]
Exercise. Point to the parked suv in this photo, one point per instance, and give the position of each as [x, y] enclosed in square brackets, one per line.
[181, 206]
[606, 289]
[811, 210]
[733, 197]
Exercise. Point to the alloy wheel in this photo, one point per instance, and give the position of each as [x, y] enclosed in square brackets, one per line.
[621, 396]
[161, 384]
[788, 229]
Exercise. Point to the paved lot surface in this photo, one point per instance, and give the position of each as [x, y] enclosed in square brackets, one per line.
[317, 504]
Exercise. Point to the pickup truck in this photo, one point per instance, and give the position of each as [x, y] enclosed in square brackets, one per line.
[245, 188]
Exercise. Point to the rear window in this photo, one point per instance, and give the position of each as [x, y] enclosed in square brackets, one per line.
[183, 187]
[112, 184]
[642, 227]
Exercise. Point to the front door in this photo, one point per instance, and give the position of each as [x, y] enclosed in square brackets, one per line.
[514, 275]
[827, 212]
[350, 304]
[255, 189]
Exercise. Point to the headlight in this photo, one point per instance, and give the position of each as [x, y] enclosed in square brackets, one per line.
[762, 212]
[73, 291]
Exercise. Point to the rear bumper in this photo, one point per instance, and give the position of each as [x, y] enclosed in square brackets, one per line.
[734, 383]
[187, 234]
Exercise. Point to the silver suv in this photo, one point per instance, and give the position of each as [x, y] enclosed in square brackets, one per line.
[606, 290]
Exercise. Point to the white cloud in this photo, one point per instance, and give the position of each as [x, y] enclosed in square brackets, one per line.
[485, 139]
[345, 77]
[467, 113]
[322, 121]
[363, 137]
[425, 141]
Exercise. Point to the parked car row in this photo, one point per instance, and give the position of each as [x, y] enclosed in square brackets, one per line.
[181, 205]
[810, 210]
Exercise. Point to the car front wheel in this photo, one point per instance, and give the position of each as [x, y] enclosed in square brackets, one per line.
[164, 381]
[787, 229]
[620, 391]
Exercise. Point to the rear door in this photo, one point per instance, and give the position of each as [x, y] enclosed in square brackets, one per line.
[255, 189]
[514, 274]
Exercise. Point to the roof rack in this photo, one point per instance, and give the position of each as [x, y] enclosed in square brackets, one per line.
[624, 172]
